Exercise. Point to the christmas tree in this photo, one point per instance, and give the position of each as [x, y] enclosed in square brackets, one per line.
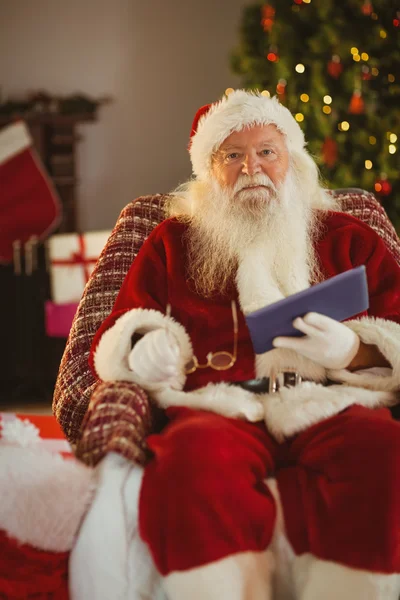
[335, 65]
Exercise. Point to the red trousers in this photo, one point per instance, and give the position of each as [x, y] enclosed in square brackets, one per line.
[203, 494]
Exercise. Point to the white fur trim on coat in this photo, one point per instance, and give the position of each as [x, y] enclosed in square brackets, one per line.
[386, 336]
[111, 354]
[13, 139]
[233, 113]
[222, 398]
[292, 410]
[43, 496]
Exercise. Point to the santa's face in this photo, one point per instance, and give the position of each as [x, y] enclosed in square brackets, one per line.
[252, 161]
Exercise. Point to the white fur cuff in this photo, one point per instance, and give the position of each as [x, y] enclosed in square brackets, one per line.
[386, 336]
[111, 354]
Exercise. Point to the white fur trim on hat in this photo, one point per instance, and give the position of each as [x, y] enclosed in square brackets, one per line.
[233, 113]
[112, 351]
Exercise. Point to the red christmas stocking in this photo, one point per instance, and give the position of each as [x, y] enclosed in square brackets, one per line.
[29, 205]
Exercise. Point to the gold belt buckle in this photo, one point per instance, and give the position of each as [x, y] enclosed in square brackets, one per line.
[286, 378]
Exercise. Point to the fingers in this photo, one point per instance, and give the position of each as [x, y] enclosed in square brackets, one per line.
[304, 326]
[163, 347]
[291, 343]
[319, 321]
[155, 358]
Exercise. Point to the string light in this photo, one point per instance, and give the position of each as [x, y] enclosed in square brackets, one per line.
[378, 187]
[229, 91]
[391, 78]
[374, 16]
[307, 1]
[392, 149]
[354, 50]
[344, 126]
[327, 110]
[266, 93]
[356, 57]
[300, 68]
[368, 164]
[372, 140]
[383, 34]
[392, 138]
[304, 97]
[272, 56]
[299, 117]
[364, 56]
[328, 99]
[375, 71]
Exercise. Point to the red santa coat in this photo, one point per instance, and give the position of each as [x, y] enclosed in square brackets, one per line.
[158, 277]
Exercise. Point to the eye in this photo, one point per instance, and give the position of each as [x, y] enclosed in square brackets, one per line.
[266, 152]
[232, 156]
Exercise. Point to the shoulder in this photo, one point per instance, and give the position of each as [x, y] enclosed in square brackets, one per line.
[168, 232]
[167, 229]
[342, 225]
[347, 241]
[337, 221]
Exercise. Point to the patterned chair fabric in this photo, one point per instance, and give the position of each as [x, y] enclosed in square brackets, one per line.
[97, 417]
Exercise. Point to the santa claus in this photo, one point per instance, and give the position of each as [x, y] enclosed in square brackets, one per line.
[253, 226]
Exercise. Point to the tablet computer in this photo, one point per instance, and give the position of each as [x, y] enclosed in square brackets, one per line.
[339, 297]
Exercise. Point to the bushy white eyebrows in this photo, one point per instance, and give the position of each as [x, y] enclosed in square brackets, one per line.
[238, 147]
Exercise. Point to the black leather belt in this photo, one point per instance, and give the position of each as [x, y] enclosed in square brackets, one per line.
[269, 385]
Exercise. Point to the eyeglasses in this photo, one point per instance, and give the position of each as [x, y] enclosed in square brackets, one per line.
[219, 361]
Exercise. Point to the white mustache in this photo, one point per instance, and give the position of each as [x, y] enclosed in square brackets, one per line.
[246, 181]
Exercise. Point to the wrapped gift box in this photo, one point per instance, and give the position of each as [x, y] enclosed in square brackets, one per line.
[72, 258]
[59, 317]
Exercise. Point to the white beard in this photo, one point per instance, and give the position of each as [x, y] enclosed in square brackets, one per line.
[263, 239]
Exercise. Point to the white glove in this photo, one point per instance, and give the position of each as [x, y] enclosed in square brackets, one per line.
[156, 359]
[327, 342]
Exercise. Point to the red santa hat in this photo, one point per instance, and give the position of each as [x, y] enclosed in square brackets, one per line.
[213, 123]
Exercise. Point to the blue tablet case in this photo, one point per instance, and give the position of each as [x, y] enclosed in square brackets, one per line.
[339, 297]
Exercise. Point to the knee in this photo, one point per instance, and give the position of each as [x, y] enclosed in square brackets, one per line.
[384, 448]
[203, 444]
[375, 446]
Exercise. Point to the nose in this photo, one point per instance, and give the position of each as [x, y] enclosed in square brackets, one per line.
[251, 164]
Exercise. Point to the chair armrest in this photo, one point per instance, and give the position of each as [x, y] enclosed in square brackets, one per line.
[119, 418]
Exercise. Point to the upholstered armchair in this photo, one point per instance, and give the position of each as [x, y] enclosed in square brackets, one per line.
[99, 417]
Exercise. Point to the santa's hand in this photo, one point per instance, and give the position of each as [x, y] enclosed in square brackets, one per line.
[326, 341]
[156, 360]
